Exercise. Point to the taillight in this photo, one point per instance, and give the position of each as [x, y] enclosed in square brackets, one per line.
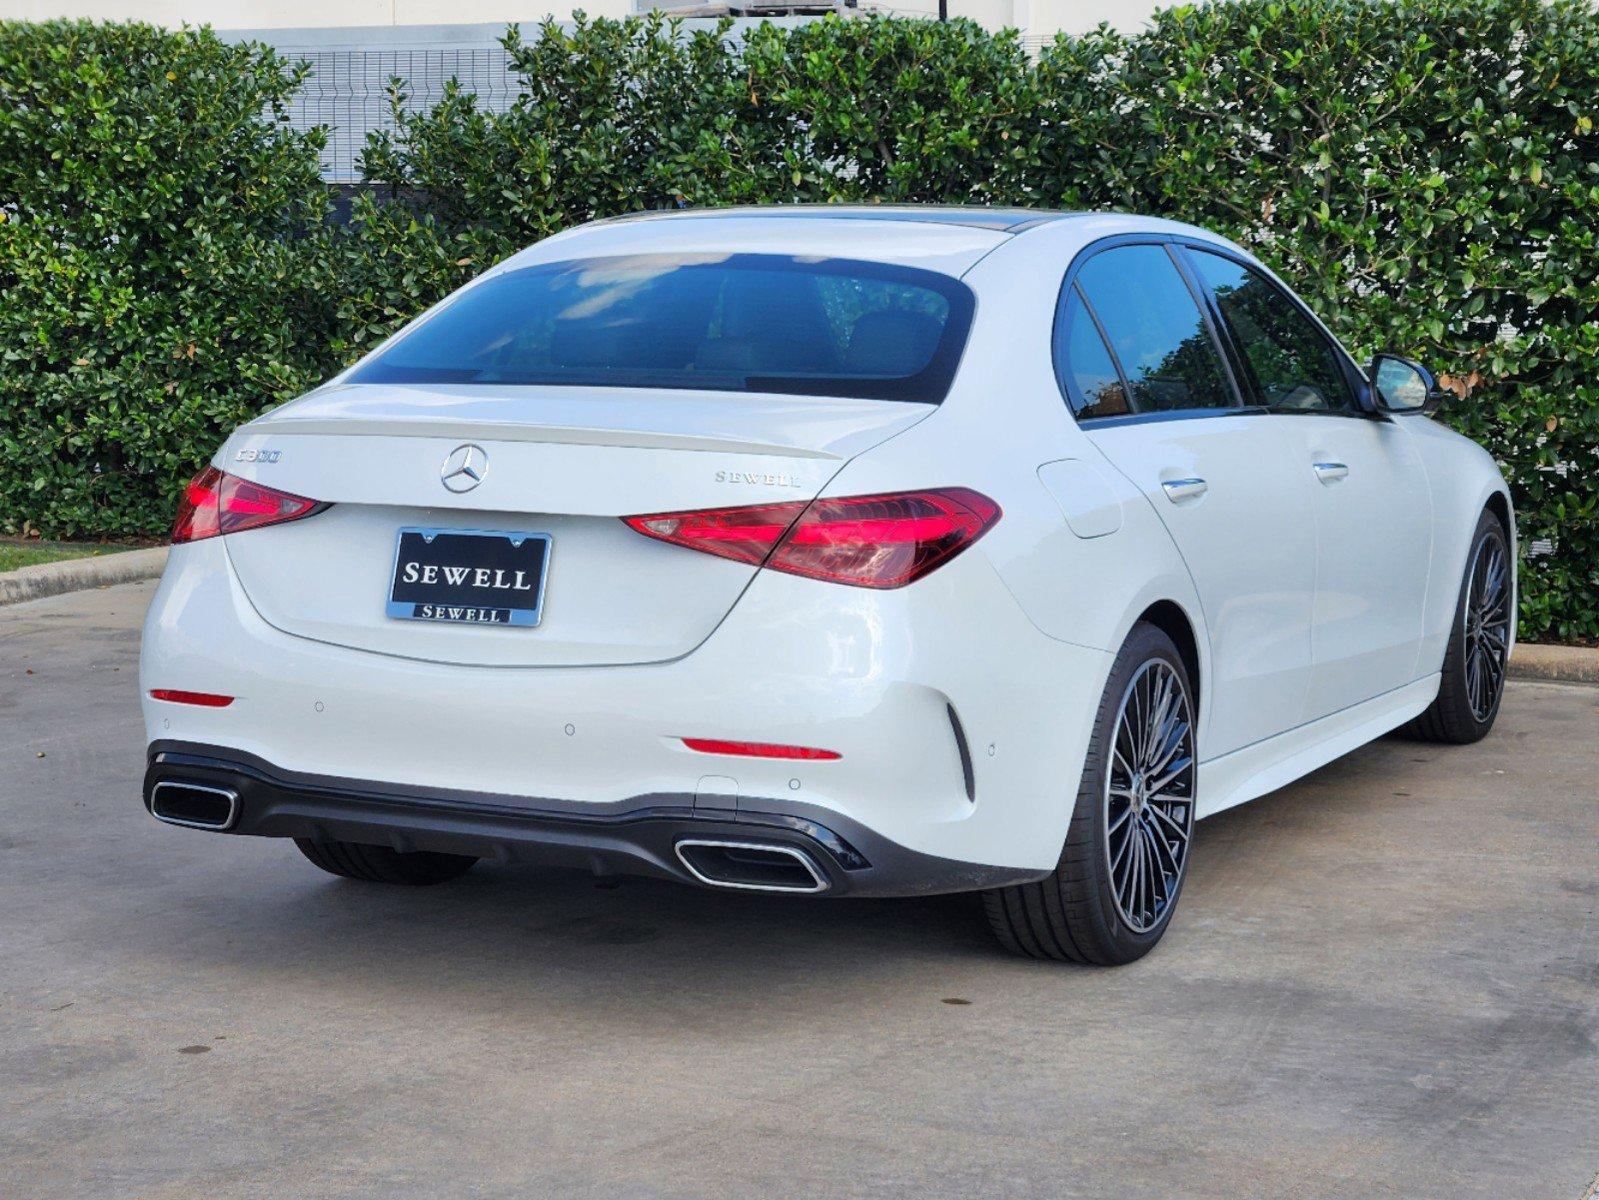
[881, 541]
[215, 502]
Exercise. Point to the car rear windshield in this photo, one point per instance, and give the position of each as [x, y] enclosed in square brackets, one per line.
[732, 323]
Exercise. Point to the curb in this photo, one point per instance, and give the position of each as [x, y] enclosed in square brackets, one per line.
[77, 574]
[1557, 664]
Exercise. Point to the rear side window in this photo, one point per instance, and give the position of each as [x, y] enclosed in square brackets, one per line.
[1087, 372]
[1293, 365]
[1155, 330]
[735, 323]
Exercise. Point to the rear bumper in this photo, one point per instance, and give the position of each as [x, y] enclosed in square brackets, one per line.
[634, 837]
[960, 729]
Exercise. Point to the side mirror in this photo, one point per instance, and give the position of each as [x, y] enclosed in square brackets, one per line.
[1399, 385]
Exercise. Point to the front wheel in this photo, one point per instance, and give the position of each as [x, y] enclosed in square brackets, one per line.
[1478, 651]
[1113, 893]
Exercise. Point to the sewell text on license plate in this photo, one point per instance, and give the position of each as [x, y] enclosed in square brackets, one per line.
[469, 576]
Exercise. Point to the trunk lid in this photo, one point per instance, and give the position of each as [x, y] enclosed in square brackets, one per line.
[562, 462]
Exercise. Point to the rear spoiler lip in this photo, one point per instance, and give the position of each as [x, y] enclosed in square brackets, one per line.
[524, 431]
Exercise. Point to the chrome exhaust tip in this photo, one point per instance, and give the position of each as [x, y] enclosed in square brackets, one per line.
[194, 805]
[751, 866]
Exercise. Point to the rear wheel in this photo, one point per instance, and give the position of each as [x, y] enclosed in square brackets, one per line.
[1113, 893]
[1478, 651]
[379, 864]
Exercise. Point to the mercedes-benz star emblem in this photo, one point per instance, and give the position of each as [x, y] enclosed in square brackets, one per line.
[464, 469]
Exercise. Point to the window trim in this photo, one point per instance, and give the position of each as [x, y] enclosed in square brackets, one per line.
[1178, 247]
[1201, 302]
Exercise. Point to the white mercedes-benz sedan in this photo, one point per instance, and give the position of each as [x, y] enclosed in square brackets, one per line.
[833, 551]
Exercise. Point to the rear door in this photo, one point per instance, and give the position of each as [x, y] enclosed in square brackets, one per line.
[1142, 368]
[1369, 489]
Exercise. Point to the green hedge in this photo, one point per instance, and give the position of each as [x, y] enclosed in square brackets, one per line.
[1425, 172]
[156, 283]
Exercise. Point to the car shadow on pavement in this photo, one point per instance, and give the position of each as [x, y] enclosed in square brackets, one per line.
[559, 935]
[279, 915]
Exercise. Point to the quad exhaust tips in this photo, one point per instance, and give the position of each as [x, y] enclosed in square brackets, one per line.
[751, 866]
[195, 805]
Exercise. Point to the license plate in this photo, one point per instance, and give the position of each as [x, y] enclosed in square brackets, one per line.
[469, 577]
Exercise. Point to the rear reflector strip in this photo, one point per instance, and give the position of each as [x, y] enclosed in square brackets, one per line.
[757, 749]
[201, 699]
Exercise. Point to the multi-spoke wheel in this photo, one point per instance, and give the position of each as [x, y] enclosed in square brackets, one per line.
[1473, 678]
[1149, 796]
[1121, 871]
[1487, 626]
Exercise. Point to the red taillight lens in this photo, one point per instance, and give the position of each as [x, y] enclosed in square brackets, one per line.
[215, 502]
[200, 699]
[882, 541]
[745, 534]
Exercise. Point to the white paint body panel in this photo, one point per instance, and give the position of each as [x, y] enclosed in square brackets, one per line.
[1247, 544]
[1299, 658]
[1373, 541]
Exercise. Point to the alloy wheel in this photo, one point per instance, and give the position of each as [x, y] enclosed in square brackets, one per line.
[1487, 620]
[1149, 796]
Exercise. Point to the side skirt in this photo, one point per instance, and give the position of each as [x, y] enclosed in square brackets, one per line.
[1252, 771]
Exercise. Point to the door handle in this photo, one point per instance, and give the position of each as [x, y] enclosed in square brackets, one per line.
[1330, 472]
[1183, 489]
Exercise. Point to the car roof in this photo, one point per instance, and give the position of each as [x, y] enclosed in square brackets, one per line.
[970, 216]
[947, 238]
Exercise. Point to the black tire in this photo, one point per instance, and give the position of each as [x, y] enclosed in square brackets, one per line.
[1459, 714]
[1074, 914]
[379, 864]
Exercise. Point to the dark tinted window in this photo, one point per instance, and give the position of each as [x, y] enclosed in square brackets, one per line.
[1087, 371]
[743, 323]
[1291, 360]
[1156, 330]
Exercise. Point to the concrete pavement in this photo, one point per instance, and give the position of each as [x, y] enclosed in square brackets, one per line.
[1383, 981]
